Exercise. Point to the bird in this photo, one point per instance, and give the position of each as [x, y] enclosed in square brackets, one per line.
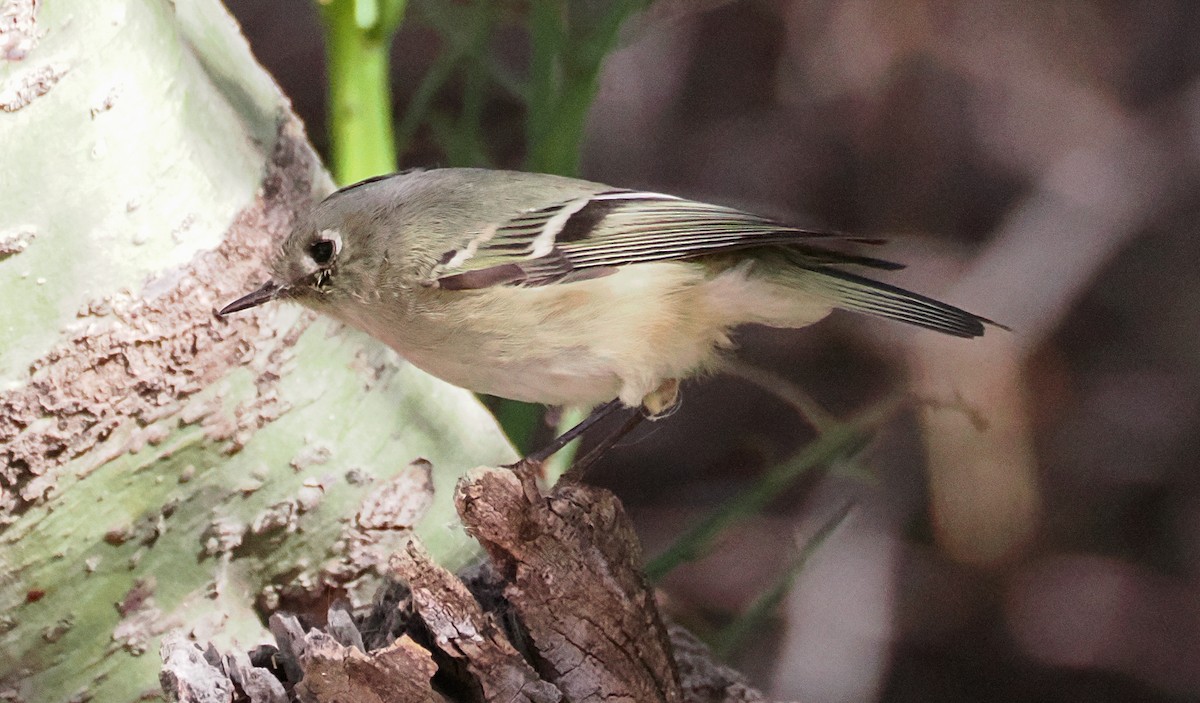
[565, 292]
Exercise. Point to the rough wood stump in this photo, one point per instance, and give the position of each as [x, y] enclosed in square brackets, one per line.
[559, 612]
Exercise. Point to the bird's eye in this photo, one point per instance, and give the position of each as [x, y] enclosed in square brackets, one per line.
[321, 251]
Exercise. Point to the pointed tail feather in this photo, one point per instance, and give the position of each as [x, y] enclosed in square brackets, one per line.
[864, 295]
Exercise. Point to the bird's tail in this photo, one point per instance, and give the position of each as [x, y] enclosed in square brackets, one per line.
[792, 295]
[853, 292]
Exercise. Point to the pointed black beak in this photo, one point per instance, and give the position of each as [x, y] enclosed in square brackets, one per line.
[265, 294]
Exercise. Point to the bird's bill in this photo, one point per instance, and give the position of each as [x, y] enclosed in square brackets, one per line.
[265, 294]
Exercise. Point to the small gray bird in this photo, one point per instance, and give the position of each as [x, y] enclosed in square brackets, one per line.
[559, 291]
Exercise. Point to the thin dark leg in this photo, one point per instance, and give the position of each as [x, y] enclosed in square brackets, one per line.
[585, 462]
[566, 437]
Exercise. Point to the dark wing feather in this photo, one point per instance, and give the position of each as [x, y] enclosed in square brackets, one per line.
[592, 235]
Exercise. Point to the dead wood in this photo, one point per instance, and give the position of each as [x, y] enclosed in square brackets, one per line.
[560, 612]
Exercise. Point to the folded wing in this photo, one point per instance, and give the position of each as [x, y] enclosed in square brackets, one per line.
[591, 236]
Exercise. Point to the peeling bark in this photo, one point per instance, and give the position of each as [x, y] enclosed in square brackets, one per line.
[560, 613]
[333, 672]
[136, 360]
[191, 673]
[18, 28]
[462, 630]
[603, 638]
[21, 90]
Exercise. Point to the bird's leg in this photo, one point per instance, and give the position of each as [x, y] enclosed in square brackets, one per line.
[657, 404]
[574, 433]
[583, 463]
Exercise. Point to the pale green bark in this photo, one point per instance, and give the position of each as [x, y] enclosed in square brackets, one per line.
[145, 134]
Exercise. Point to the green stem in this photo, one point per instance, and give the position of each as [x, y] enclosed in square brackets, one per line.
[732, 637]
[358, 36]
[547, 35]
[570, 43]
[834, 443]
[520, 422]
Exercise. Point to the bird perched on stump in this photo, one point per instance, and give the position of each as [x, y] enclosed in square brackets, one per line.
[560, 291]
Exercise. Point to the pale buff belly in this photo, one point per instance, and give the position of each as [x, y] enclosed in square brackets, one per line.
[576, 344]
[572, 379]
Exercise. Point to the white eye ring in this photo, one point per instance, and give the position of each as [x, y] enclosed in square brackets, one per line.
[334, 236]
[324, 249]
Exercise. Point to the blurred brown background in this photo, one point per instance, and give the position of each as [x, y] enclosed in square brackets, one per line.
[1030, 528]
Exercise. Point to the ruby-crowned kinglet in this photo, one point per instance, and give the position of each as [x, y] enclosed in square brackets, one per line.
[559, 291]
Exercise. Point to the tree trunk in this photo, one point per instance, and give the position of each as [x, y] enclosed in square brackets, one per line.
[162, 468]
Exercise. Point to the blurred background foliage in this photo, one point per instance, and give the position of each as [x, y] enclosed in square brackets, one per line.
[1027, 525]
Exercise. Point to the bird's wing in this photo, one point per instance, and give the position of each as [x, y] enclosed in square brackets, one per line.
[592, 235]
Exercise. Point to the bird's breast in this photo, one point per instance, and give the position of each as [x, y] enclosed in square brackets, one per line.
[577, 344]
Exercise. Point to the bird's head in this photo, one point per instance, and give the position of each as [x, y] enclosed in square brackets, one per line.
[335, 256]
